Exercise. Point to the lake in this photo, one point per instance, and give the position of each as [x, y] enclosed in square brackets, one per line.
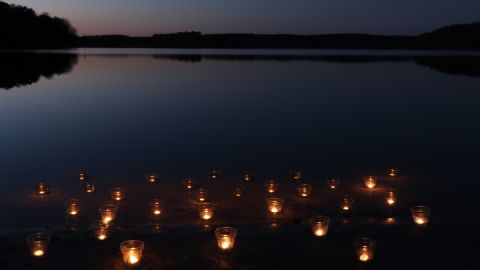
[121, 113]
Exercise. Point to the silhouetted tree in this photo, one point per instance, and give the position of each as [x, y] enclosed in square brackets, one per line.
[22, 27]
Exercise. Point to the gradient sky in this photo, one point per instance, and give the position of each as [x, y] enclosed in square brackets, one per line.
[145, 17]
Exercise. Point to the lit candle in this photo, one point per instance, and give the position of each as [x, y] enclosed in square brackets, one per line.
[271, 187]
[420, 214]
[101, 230]
[89, 187]
[365, 249]
[132, 251]
[333, 183]
[206, 211]
[393, 172]
[274, 205]
[226, 237]
[391, 198]
[237, 192]
[108, 213]
[319, 225]
[247, 177]
[156, 208]
[304, 190]
[346, 204]
[214, 175]
[38, 244]
[152, 178]
[201, 195]
[188, 184]
[370, 181]
[297, 175]
[72, 207]
[82, 176]
[42, 189]
[117, 193]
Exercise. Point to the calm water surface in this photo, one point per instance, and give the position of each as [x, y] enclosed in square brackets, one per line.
[120, 113]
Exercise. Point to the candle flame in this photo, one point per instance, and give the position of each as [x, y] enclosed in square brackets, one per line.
[102, 237]
[133, 259]
[364, 257]
[38, 253]
[319, 232]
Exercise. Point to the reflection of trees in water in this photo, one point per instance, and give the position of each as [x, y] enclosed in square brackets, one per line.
[20, 69]
[454, 65]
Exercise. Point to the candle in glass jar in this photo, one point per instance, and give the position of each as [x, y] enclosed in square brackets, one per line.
[72, 207]
[82, 176]
[89, 187]
[391, 198]
[274, 205]
[333, 183]
[304, 190]
[201, 195]
[225, 237]
[271, 187]
[156, 208]
[152, 178]
[117, 193]
[132, 251]
[297, 175]
[365, 249]
[38, 244]
[319, 225]
[214, 175]
[370, 181]
[346, 204]
[237, 192]
[247, 177]
[101, 230]
[42, 189]
[420, 214]
[206, 211]
[188, 184]
[393, 172]
[108, 213]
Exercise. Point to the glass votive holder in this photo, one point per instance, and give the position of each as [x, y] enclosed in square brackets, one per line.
[152, 178]
[108, 213]
[346, 204]
[72, 207]
[42, 189]
[201, 195]
[392, 172]
[206, 211]
[370, 181]
[271, 187]
[238, 192]
[304, 190]
[189, 184]
[365, 249]
[225, 237]
[274, 205]
[214, 175]
[247, 177]
[101, 230]
[297, 175]
[420, 214]
[391, 198]
[82, 176]
[156, 208]
[132, 252]
[319, 225]
[89, 187]
[333, 183]
[117, 193]
[38, 244]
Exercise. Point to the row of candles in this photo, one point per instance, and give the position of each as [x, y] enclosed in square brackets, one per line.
[132, 249]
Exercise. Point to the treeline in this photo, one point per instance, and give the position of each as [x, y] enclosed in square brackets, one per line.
[22, 27]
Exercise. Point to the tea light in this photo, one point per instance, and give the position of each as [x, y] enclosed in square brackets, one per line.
[117, 193]
[391, 198]
[214, 175]
[304, 190]
[132, 251]
[297, 175]
[237, 192]
[72, 207]
[333, 183]
[365, 249]
[420, 214]
[188, 183]
[42, 189]
[101, 230]
[152, 178]
[346, 204]
[226, 237]
[108, 213]
[206, 211]
[393, 172]
[156, 207]
[274, 205]
[247, 177]
[320, 225]
[201, 195]
[271, 187]
[89, 187]
[370, 181]
[82, 176]
[38, 244]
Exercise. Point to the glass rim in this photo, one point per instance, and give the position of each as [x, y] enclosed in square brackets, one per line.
[224, 231]
[132, 244]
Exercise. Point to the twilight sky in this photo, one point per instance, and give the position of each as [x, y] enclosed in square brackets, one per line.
[145, 17]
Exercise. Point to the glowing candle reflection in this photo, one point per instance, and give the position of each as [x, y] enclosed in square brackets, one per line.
[304, 190]
[370, 181]
[365, 249]
[420, 214]
[72, 207]
[319, 225]
[38, 244]
[101, 230]
[226, 237]
[132, 251]
[274, 205]
[117, 193]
